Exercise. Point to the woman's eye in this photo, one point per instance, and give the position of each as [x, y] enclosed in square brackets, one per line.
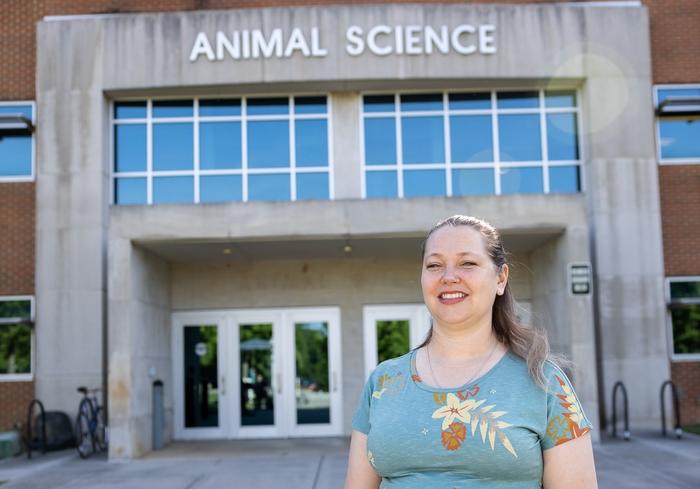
[432, 266]
[467, 264]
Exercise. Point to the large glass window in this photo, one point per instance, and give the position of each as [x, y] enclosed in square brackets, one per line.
[684, 307]
[16, 316]
[470, 143]
[678, 123]
[221, 150]
[16, 141]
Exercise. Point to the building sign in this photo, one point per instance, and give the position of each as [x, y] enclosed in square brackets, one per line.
[580, 278]
[380, 40]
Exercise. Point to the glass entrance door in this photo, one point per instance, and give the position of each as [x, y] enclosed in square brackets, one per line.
[199, 380]
[392, 330]
[258, 373]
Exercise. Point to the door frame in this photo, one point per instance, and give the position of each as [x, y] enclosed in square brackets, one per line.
[284, 371]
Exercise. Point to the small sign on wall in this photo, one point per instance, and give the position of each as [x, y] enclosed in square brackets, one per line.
[580, 278]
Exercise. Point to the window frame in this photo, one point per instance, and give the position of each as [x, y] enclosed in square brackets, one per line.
[496, 164]
[244, 171]
[32, 176]
[25, 377]
[657, 126]
[677, 357]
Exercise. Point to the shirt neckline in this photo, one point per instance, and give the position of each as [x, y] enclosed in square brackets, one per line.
[415, 378]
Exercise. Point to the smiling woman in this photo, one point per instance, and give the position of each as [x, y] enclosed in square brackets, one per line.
[480, 403]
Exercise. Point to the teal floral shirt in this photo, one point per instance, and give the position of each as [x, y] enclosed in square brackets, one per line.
[489, 433]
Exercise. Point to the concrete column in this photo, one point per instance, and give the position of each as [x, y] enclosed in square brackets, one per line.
[346, 150]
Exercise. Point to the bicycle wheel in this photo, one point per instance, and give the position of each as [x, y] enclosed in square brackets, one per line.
[100, 432]
[86, 406]
[84, 441]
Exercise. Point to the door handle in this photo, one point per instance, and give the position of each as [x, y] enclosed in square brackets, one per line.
[223, 385]
[335, 382]
[279, 383]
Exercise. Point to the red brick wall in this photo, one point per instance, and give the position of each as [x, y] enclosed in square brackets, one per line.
[14, 399]
[17, 238]
[686, 376]
[675, 47]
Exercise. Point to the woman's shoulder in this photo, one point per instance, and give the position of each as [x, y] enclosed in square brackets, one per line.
[398, 366]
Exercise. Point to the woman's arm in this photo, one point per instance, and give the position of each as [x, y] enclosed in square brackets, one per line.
[570, 465]
[361, 475]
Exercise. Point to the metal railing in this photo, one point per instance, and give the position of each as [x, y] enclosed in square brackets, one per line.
[678, 431]
[40, 443]
[619, 386]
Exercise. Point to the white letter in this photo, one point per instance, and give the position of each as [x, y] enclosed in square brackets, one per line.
[233, 48]
[398, 34]
[296, 41]
[316, 49]
[246, 44]
[413, 39]
[442, 42]
[459, 30]
[201, 46]
[372, 40]
[267, 47]
[355, 45]
[486, 39]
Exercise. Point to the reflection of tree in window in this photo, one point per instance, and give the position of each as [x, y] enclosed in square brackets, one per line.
[686, 329]
[392, 339]
[312, 355]
[15, 338]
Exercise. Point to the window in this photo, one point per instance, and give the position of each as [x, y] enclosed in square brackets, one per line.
[678, 123]
[470, 143]
[683, 296]
[16, 141]
[16, 319]
[221, 150]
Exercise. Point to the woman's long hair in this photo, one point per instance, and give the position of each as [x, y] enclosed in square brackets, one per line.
[530, 344]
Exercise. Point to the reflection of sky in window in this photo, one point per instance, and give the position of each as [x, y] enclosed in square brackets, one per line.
[420, 102]
[130, 110]
[378, 103]
[679, 138]
[25, 110]
[477, 181]
[561, 137]
[664, 93]
[424, 183]
[310, 105]
[470, 101]
[316, 326]
[130, 191]
[220, 188]
[268, 144]
[471, 138]
[311, 142]
[130, 147]
[380, 141]
[382, 184]
[173, 146]
[517, 100]
[15, 155]
[220, 107]
[519, 137]
[312, 186]
[521, 180]
[564, 179]
[269, 187]
[172, 108]
[423, 140]
[173, 190]
[219, 145]
[268, 106]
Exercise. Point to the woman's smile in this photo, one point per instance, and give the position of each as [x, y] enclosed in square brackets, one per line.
[449, 298]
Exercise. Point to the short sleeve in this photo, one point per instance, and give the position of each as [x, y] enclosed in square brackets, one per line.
[565, 417]
[360, 421]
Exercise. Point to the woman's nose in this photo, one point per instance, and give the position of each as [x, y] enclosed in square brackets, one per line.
[449, 276]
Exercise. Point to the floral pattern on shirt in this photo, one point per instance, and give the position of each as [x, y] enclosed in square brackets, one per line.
[464, 414]
[567, 425]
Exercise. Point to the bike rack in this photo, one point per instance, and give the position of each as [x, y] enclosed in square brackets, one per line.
[626, 434]
[29, 427]
[676, 408]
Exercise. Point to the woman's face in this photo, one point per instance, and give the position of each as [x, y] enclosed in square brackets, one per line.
[459, 280]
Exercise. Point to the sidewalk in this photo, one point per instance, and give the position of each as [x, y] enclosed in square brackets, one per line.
[645, 461]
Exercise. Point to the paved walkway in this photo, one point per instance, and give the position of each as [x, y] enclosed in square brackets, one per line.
[646, 461]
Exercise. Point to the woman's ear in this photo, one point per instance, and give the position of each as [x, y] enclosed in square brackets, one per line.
[502, 279]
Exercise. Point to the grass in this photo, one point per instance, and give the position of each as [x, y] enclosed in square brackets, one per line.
[692, 428]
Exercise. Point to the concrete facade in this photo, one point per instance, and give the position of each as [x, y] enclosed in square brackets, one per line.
[94, 261]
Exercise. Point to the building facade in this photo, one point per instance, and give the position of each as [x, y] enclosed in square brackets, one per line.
[231, 200]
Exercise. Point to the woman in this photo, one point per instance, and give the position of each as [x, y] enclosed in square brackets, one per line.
[479, 404]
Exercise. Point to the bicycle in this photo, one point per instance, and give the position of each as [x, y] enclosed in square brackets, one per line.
[90, 426]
